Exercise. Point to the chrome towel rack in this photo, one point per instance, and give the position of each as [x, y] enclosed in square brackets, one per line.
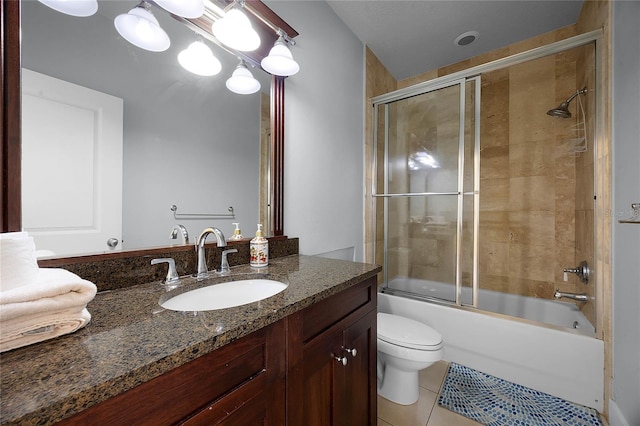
[193, 216]
[635, 217]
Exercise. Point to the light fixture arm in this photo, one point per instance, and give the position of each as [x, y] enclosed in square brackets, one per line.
[279, 31]
[145, 5]
[281, 34]
[236, 3]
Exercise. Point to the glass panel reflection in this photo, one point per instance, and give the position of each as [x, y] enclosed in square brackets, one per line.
[421, 245]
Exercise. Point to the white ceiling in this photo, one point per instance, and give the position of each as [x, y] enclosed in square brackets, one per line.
[411, 37]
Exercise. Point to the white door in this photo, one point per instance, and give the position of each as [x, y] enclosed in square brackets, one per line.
[71, 165]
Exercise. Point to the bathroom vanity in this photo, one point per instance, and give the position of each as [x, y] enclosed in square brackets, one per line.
[304, 356]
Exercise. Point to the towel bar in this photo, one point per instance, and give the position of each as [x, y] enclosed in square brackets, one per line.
[635, 217]
[193, 216]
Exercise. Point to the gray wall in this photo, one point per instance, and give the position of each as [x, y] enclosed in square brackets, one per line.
[187, 139]
[324, 131]
[625, 407]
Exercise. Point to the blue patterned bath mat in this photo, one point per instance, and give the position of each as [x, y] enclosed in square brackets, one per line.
[497, 402]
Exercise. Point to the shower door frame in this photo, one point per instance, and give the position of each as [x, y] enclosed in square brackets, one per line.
[477, 71]
[460, 193]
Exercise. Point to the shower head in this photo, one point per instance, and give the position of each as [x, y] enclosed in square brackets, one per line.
[562, 111]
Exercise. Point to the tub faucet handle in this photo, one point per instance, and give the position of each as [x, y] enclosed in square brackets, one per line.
[582, 271]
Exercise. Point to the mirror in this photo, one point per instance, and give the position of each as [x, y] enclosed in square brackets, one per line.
[186, 141]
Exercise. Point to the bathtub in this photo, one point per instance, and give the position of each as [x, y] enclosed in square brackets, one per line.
[562, 362]
[553, 312]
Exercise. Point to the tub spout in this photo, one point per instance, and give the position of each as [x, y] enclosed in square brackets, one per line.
[582, 297]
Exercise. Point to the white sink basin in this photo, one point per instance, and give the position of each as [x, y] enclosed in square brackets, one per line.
[224, 295]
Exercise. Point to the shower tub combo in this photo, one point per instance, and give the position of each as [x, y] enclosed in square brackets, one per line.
[563, 359]
[510, 211]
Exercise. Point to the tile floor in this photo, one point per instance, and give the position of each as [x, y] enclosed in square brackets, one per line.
[425, 412]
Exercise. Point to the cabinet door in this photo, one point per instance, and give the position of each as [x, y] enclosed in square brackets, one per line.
[323, 381]
[360, 372]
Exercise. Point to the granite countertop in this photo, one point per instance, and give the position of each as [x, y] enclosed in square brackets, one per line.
[131, 339]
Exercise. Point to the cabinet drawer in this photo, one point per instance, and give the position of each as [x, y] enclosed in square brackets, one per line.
[172, 397]
[246, 405]
[322, 315]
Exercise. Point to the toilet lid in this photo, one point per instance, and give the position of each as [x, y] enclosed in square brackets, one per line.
[406, 332]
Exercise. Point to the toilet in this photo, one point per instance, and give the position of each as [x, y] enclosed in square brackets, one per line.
[405, 347]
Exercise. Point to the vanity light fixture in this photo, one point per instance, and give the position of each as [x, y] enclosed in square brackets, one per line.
[242, 81]
[235, 31]
[184, 8]
[280, 61]
[140, 28]
[199, 59]
[73, 7]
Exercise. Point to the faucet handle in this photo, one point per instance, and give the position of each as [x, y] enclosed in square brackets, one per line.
[582, 271]
[172, 274]
[224, 266]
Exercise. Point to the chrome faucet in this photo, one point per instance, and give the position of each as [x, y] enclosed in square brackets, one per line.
[183, 231]
[581, 297]
[202, 260]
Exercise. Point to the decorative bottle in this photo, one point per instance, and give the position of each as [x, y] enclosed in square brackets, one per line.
[259, 248]
[237, 233]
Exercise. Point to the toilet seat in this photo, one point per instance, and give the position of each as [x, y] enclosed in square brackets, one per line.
[407, 333]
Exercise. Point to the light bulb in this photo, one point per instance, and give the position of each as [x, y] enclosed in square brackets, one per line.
[280, 61]
[242, 81]
[185, 8]
[73, 7]
[199, 59]
[235, 31]
[140, 28]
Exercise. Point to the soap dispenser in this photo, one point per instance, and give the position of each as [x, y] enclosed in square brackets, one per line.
[237, 234]
[259, 248]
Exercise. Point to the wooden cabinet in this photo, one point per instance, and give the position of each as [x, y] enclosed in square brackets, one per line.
[241, 383]
[314, 367]
[331, 372]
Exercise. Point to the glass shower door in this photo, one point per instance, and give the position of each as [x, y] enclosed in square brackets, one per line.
[421, 179]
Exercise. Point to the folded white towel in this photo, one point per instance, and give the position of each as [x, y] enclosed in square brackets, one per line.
[18, 263]
[54, 305]
[30, 330]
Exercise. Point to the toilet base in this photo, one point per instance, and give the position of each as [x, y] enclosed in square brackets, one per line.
[399, 386]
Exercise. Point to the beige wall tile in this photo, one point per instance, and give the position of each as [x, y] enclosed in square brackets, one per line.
[493, 258]
[495, 162]
[531, 262]
[494, 194]
[532, 193]
[531, 158]
[533, 227]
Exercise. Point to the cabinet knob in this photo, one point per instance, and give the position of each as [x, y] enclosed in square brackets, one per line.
[341, 359]
[353, 352]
